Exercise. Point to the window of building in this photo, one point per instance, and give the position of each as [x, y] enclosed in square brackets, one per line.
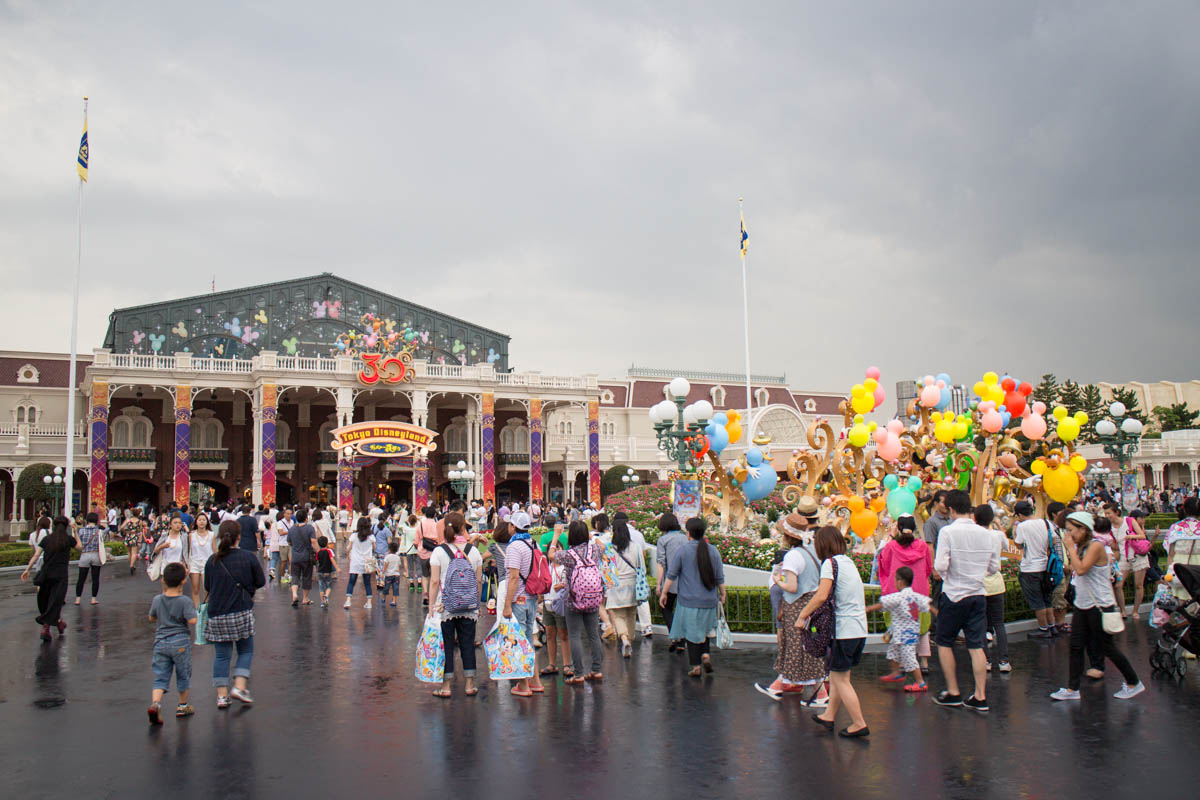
[28, 374]
[564, 427]
[283, 433]
[718, 396]
[514, 437]
[456, 438]
[132, 428]
[761, 397]
[606, 396]
[325, 434]
[810, 405]
[608, 429]
[207, 431]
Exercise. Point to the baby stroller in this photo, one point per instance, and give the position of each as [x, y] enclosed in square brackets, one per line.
[1180, 631]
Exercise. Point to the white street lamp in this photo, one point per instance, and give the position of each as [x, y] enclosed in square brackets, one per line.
[702, 410]
[1105, 427]
[1132, 426]
[679, 387]
[1117, 409]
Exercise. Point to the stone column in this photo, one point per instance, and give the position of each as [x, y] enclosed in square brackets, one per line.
[183, 443]
[489, 446]
[535, 450]
[269, 403]
[593, 446]
[98, 476]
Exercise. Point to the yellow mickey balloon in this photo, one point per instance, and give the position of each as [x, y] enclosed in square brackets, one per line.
[859, 435]
[863, 404]
[990, 377]
[980, 389]
[1081, 417]
[1078, 463]
[733, 426]
[1068, 430]
[1060, 412]
[943, 427]
[1038, 467]
[1061, 483]
[960, 427]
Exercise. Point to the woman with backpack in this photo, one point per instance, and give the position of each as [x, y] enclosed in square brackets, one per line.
[581, 597]
[1130, 538]
[842, 585]
[622, 601]
[698, 577]
[456, 571]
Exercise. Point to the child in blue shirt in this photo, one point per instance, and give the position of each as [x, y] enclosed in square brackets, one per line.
[174, 613]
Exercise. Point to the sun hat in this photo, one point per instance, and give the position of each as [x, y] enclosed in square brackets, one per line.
[520, 520]
[1083, 518]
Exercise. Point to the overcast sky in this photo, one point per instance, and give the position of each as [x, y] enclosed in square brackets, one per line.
[929, 186]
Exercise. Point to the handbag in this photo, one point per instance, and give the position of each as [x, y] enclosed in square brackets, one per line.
[369, 566]
[39, 577]
[641, 587]
[426, 542]
[817, 638]
[155, 567]
[201, 621]
[1111, 620]
[724, 640]
[100, 548]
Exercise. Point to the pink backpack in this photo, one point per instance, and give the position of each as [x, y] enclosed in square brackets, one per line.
[587, 583]
[538, 581]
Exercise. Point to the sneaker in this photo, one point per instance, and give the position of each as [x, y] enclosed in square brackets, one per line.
[769, 692]
[1005, 666]
[1065, 694]
[1042, 633]
[975, 704]
[241, 695]
[367, 605]
[272, 573]
[295, 604]
[324, 604]
[184, 710]
[347, 602]
[818, 702]
[1127, 691]
[947, 699]
[155, 714]
[223, 702]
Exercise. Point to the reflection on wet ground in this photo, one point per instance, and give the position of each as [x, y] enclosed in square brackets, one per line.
[338, 711]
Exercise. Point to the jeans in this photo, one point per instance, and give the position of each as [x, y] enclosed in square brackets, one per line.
[83, 571]
[275, 561]
[173, 653]
[325, 581]
[580, 623]
[526, 614]
[460, 632]
[414, 567]
[391, 584]
[354, 579]
[223, 651]
[995, 623]
[1087, 633]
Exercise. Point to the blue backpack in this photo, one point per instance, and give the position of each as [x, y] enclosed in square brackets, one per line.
[460, 592]
[1054, 562]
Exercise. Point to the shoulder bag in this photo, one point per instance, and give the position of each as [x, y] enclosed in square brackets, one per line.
[818, 637]
[641, 586]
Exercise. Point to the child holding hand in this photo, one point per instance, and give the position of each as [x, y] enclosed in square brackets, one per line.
[906, 607]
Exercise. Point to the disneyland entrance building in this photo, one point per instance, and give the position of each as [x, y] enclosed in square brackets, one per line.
[234, 396]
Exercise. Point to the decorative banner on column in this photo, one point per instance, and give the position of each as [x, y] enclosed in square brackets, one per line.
[594, 450]
[183, 444]
[98, 476]
[345, 482]
[488, 406]
[270, 413]
[420, 484]
[535, 450]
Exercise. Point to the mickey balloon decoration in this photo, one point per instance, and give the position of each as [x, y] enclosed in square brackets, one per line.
[760, 477]
[901, 499]
[734, 426]
[718, 437]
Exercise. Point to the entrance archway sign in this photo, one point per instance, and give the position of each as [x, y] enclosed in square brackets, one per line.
[385, 439]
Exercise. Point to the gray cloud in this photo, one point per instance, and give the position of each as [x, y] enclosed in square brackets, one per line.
[929, 186]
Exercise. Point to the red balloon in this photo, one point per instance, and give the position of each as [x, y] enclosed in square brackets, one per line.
[1015, 403]
[1025, 388]
[1008, 384]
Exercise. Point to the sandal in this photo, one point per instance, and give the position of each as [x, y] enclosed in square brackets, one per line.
[443, 693]
[575, 681]
[568, 672]
[549, 671]
[471, 692]
[916, 687]
[538, 689]
[515, 693]
[695, 673]
[595, 676]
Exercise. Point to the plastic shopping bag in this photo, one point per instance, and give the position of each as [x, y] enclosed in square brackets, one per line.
[509, 653]
[431, 653]
[1158, 614]
[201, 622]
[608, 568]
[724, 639]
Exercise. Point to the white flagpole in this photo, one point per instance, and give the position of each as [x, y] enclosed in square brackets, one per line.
[746, 324]
[69, 477]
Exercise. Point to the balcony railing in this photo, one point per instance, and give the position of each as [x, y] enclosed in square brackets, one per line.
[285, 456]
[342, 365]
[452, 459]
[42, 429]
[513, 459]
[132, 455]
[210, 456]
[327, 457]
[1167, 448]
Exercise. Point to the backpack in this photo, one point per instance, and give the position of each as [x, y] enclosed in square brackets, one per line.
[1054, 562]
[587, 584]
[539, 580]
[460, 587]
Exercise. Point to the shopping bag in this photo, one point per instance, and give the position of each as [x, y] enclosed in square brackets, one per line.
[608, 568]
[724, 639]
[641, 586]
[201, 622]
[155, 568]
[431, 653]
[509, 653]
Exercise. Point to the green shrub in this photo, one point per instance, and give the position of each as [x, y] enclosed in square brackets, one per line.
[14, 554]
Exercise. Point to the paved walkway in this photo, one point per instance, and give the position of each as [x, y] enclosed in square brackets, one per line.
[339, 713]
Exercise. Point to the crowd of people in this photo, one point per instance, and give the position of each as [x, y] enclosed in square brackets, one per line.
[584, 580]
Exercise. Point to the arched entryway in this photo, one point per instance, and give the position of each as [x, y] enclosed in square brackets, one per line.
[133, 491]
[512, 490]
[207, 490]
[398, 491]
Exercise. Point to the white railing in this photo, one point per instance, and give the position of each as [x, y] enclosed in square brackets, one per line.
[56, 429]
[9, 429]
[1166, 448]
[473, 373]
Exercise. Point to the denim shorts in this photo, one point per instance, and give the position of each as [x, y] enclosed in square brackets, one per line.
[175, 654]
[325, 581]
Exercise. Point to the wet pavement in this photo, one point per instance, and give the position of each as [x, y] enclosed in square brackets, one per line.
[338, 711]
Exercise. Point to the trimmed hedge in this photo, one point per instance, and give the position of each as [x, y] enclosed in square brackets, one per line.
[15, 554]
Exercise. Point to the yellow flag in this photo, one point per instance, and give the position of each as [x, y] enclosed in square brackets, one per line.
[81, 159]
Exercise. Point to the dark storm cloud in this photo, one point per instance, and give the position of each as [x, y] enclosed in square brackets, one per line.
[929, 186]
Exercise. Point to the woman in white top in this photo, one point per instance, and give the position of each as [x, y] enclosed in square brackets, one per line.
[406, 532]
[200, 547]
[622, 601]
[1125, 531]
[361, 550]
[1087, 558]
[173, 543]
[850, 628]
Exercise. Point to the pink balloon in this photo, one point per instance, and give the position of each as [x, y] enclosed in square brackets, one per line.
[879, 396]
[931, 396]
[1034, 426]
[880, 435]
[873, 372]
[889, 450]
[896, 427]
[992, 421]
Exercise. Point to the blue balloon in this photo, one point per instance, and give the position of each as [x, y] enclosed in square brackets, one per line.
[760, 487]
[943, 399]
[1007, 417]
[718, 437]
[941, 376]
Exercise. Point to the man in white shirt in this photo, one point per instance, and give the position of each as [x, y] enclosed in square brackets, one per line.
[1033, 535]
[966, 554]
